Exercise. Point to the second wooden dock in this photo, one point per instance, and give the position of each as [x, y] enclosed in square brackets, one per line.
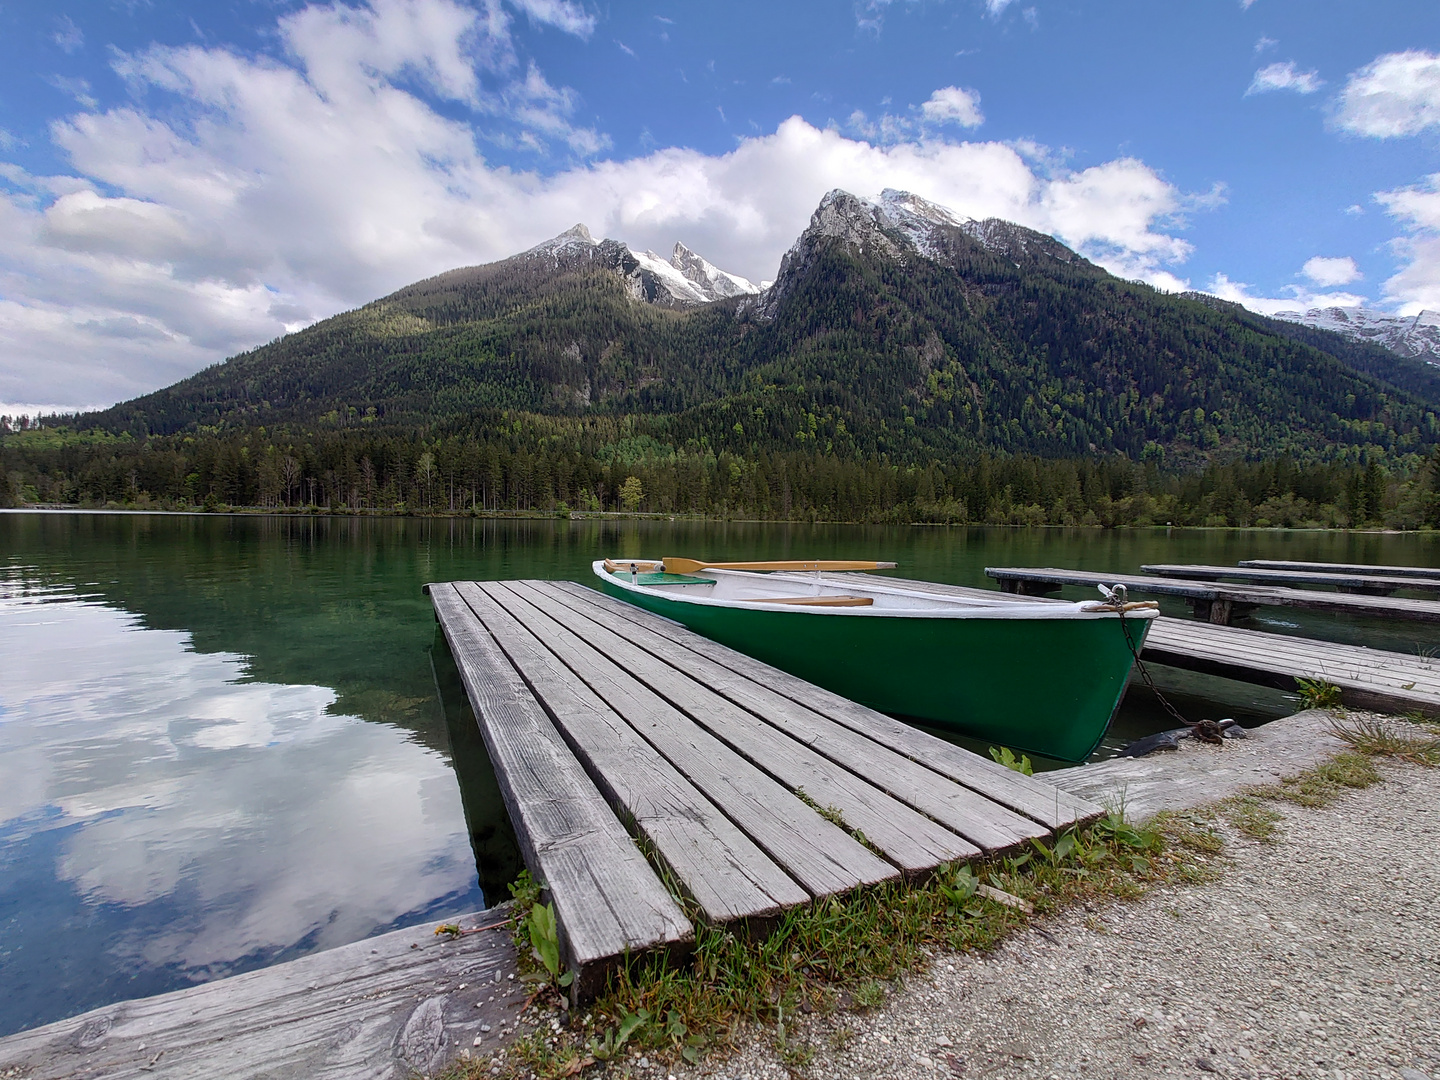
[635, 757]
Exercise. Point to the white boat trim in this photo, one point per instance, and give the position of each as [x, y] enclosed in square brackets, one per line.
[922, 605]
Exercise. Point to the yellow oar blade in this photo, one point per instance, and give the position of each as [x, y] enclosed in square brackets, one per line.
[689, 566]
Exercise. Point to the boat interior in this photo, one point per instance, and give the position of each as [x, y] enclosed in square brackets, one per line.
[819, 590]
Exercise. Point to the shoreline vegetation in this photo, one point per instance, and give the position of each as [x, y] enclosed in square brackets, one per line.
[527, 470]
[845, 956]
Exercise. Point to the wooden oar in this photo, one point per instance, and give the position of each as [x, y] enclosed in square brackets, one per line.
[689, 566]
[622, 566]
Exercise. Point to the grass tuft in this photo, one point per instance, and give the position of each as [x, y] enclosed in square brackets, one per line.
[840, 949]
[1377, 738]
[1248, 815]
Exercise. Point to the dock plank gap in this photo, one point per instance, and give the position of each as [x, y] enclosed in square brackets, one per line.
[650, 772]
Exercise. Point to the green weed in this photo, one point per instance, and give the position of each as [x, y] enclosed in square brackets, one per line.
[1317, 693]
[1005, 756]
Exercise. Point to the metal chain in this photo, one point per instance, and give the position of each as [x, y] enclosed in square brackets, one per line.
[1145, 674]
[1204, 730]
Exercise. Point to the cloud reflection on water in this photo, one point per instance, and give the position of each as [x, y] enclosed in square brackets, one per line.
[216, 823]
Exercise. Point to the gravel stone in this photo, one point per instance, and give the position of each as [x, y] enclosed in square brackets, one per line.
[1316, 955]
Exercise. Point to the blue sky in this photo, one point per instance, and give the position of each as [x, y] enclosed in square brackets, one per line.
[179, 181]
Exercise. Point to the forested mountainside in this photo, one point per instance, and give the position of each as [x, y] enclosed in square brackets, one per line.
[1412, 372]
[905, 365]
[893, 329]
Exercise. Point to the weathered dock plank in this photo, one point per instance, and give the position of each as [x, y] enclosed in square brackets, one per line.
[608, 900]
[1367, 584]
[1367, 678]
[909, 840]
[1372, 569]
[822, 857]
[988, 825]
[1025, 795]
[721, 868]
[1221, 599]
[389, 1008]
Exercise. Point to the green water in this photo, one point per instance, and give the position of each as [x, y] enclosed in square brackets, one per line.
[229, 741]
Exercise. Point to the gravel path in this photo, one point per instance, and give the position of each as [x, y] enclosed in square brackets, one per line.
[1316, 955]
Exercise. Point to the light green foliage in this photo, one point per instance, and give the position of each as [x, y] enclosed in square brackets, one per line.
[606, 1046]
[1317, 693]
[1005, 756]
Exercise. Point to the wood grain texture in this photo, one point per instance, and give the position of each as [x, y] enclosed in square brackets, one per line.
[1026, 795]
[717, 864]
[823, 858]
[909, 839]
[985, 823]
[1368, 678]
[388, 1008]
[608, 901]
[1344, 568]
[1268, 576]
[1381, 607]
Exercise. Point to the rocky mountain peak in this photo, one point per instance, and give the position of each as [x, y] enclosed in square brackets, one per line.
[1408, 335]
[576, 238]
[717, 284]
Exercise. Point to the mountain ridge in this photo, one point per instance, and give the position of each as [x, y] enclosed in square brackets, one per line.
[893, 327]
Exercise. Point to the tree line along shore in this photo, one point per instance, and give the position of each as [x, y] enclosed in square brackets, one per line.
[534, 466]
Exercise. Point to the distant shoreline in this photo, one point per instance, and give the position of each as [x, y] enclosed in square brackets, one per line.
[621, 515]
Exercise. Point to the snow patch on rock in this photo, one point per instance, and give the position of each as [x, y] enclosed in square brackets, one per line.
[1408, 335]
[715, 283]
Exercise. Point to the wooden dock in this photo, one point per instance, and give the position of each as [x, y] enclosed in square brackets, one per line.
[1217, 602]
[1368, 678]
[1363, 584]
[616, 734]
[1344, 568]
[392, 1007]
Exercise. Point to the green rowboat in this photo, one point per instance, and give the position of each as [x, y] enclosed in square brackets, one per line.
[1040, 676]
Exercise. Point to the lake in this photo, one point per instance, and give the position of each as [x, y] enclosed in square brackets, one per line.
[227, 741]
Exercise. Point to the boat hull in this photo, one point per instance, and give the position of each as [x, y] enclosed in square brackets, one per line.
[1046, 686]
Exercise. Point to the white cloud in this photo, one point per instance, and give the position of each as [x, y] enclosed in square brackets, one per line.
[189, 775]
[1416, 286]
[1299, 298]
[74, 87]
[1329, 272]
[1398, 94]
[1265, 43]
[954, 105]
[572, 18]
[1284, 76]
[67, 35]
[996, 7]
[257, 196]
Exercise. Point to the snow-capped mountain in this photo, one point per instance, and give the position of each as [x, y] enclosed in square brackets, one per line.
[685, 280]
[897, 224]
[900, 225]
[1407, 335]
[714, 282]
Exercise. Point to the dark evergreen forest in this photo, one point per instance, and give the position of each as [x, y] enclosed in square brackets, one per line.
[1017, 385]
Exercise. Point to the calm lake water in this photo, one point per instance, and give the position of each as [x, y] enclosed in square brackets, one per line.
[229, 741]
